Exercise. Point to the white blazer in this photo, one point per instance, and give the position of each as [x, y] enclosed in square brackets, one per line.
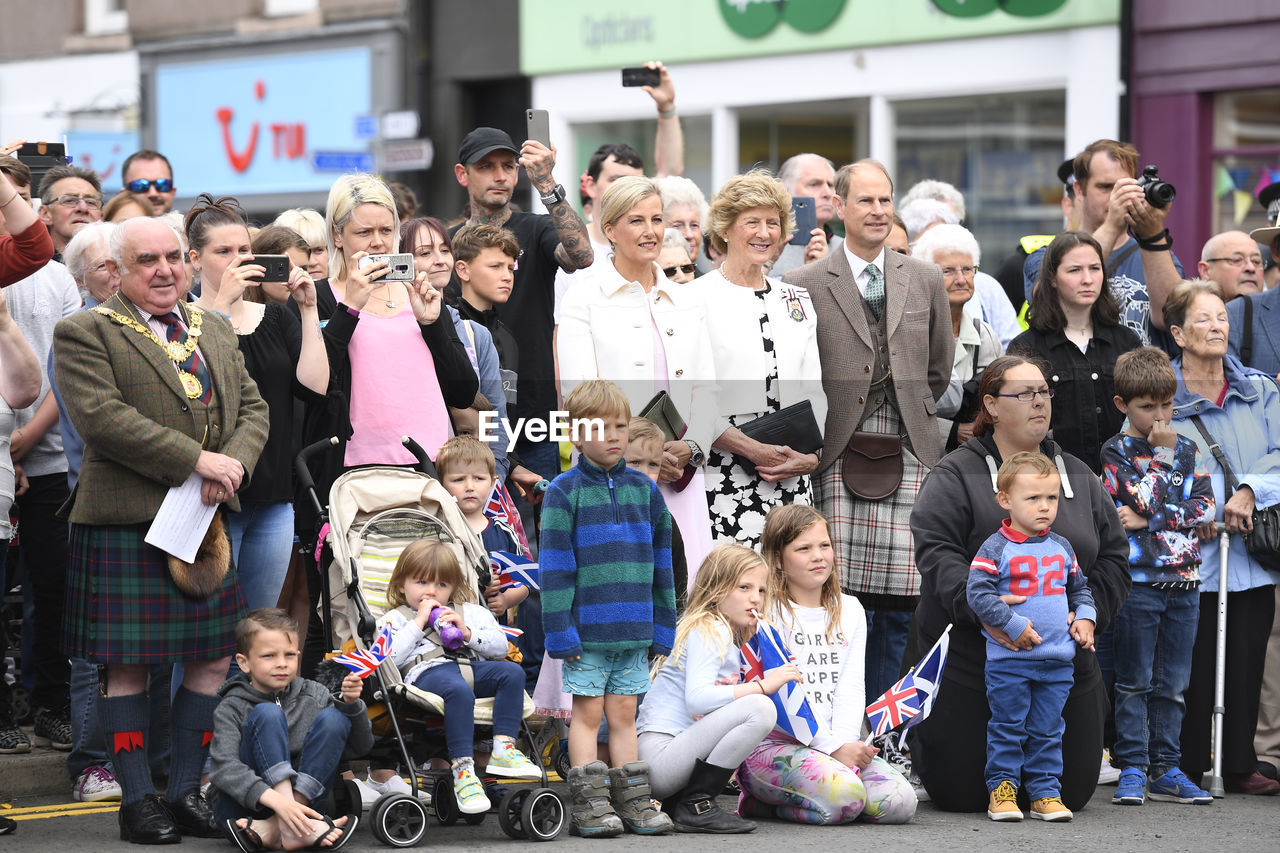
[741, 364]
[606, 332]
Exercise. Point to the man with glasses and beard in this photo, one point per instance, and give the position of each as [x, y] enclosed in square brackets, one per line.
[148, 173]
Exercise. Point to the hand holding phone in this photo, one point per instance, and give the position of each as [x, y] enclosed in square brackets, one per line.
[806, 220]
[641, 75]
[539, 126]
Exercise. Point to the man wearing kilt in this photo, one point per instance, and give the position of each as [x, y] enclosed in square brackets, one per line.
[885, 343]
[158, 390]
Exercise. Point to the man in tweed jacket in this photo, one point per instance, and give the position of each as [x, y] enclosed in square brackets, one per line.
[153, 408]
[885, 342]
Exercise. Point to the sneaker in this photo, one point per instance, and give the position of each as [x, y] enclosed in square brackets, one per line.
[368, 796]
[1175, 787]
[95, 785]
[467, 789]
[394, 785]
[1131, 789]
[1050, 809]
[53, 728]
[917, 785]
[887, 743]
[1003, 804]
[12, 738]
[507, 761]
[1108, 773]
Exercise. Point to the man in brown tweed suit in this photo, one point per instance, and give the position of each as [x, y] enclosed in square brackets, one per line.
[885, 340]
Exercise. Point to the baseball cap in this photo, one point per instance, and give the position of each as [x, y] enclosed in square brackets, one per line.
[1270, 198]
[481, 141]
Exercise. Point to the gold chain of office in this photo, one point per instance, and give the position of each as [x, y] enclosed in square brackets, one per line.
[176, 352]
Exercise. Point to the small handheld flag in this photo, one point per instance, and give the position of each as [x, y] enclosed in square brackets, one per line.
[364, 661]
[765, 651]
[513, 570]
[512, 633]
[501, 506]
[911, 699]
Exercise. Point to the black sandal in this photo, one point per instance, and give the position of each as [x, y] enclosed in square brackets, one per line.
[245, 837]
[347, 831]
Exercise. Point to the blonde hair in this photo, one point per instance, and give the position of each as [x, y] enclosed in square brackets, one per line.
[624, 194]
[463, 450]
[757, 188]
[1040, 465]
[346, 194]
[597, 398]
[782, 526]
[716, 578]
[643, 429]
[308, 223]
[428, 559]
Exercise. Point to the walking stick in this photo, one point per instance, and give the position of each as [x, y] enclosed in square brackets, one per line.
[1214, 782]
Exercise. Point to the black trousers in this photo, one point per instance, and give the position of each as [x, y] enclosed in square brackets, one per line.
[949, 750]
[42, 538]
[1249, 616]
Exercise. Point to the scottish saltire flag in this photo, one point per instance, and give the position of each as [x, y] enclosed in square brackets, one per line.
[513, 570]
[765, 651]
[500, 506]
[911, 699]
[364, 661]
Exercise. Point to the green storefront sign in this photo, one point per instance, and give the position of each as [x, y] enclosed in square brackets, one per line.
[558, 36]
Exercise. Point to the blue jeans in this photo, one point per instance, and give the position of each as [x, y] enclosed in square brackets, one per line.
[500, 679]
[886, 645]
[88, 746]
[264, 748]
[1154, 634]
[261, 546]
[1024, 735]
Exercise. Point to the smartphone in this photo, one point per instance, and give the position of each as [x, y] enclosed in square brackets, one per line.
[277, 268]
[40, 157]
[806, 220]
[641, 76]
[399, 267]
[539, 123]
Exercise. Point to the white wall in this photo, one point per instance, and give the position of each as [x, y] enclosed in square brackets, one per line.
[37, 97]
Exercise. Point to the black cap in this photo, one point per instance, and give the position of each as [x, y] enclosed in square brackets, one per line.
[481, 141]
[1268, 260]
[1269, 197]
[1067, 171]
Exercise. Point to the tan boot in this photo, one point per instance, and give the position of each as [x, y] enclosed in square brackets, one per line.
[1003, 804]
[633, 801]
[591, 814]
[1050, 809]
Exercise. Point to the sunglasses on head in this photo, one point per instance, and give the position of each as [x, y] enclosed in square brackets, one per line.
[688, 269]
[142, 185]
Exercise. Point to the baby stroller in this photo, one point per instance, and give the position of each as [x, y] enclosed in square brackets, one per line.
[373, 514]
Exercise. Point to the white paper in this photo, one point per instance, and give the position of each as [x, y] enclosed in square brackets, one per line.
[180, 525]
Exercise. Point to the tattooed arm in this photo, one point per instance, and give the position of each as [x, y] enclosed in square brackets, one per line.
[574, 251]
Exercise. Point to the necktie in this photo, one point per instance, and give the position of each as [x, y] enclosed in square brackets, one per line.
[875, 290]
[192, 365]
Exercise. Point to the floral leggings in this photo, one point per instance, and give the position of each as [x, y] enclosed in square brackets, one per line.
[808, 786]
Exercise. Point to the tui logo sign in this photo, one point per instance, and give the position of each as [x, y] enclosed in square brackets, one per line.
[755, 18]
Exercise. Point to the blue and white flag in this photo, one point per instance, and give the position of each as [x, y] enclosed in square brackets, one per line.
[513, 570]
[911, 699]
[766, 651]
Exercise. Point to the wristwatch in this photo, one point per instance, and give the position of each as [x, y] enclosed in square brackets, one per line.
[557, 194]
[696, 456]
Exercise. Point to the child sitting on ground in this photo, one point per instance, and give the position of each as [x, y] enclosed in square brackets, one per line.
[1162, 491]
[277, 741]
[1029, 667]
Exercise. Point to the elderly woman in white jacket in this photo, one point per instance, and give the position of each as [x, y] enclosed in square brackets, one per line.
[624, 321]
[764, 339]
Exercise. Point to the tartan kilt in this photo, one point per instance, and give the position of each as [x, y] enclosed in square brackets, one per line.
[874, 547]
[123, 607]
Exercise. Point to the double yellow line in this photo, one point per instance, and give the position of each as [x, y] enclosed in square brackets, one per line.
[59, 810]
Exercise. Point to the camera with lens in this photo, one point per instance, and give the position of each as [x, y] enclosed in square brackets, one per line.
[1157, 192]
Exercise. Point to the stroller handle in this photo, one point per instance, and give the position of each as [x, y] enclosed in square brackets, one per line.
[425, 465]
[303, 471]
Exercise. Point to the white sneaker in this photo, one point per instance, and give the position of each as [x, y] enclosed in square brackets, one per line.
[397, 785]
[1107, 774]
[95, 785]
[368, 796]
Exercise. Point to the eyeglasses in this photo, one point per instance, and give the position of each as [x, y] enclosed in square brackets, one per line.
[688, 269]
[142, 185]
[92, 202]
[951, 272]
[1029, 396]
[1237, 260]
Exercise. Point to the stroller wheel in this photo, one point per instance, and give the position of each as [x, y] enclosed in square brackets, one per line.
[509, 817]
[562, 764]
[399, 820]
[442, 800]
[542, 815]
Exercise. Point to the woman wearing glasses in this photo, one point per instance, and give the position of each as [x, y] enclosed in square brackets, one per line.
[674, 258]
[954, 514]
[764, 337]
[1075, 328]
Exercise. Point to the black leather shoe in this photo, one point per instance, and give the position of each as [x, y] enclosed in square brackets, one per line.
[193, 816]
[147, 822]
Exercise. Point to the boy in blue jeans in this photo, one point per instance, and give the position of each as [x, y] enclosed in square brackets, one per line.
[1029, 667]
[1162, 491]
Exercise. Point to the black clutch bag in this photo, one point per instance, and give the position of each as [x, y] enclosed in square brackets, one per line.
[661, 411]
[795, 426]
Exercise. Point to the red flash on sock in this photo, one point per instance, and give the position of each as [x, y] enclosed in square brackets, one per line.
[127, 741]
[208, 736]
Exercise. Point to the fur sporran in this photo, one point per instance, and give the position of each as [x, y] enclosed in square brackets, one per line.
[203, 577]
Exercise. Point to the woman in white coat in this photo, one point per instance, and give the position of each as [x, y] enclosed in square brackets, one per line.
[624, 321]
[764, 338]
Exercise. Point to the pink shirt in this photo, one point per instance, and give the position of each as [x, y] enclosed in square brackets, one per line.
[394, 392]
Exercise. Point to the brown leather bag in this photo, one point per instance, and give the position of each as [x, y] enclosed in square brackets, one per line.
[871, 467]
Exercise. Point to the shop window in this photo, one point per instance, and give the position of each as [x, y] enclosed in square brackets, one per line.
[640, 135]
[105, 17]
[1246, 156]
[767, 136]
[1001, 151]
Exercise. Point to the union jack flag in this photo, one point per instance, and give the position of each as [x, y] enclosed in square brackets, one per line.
[911, 699]
[513, 570]
[512, 633]
[500, 506]
[364, 661]
[765, 651]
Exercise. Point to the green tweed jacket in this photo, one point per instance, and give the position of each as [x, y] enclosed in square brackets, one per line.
[141, 433]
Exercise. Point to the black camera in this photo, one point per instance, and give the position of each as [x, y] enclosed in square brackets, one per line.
[1157, 192]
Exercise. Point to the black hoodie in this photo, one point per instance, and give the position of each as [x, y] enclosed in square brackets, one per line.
[956, 512]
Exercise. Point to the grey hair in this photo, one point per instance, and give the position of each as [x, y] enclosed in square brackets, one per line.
[678, 190]
[119, 236]
[946, 238]
[671, 237]
[919, 214]
[939, 190]
[91, 235]
[790, 168]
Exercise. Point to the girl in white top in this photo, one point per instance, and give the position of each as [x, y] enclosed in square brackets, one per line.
[699, 719]
[837, 777]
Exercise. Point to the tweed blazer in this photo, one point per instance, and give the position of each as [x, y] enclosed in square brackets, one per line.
[141, 434]
[921, 347]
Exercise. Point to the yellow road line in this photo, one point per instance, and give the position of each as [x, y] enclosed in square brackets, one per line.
[60, 810]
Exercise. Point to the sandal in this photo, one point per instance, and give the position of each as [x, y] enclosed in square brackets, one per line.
[347, 831]
[245, 837]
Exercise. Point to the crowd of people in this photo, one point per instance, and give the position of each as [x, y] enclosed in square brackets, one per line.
[855, 435]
